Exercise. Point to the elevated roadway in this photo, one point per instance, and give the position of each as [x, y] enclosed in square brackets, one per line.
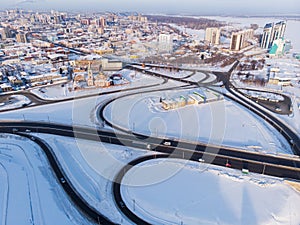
[275, 165]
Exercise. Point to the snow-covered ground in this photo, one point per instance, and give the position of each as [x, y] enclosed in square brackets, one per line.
[221, 123]
[293, 119]
[79, 112]
[196, 34]
[211, 78]
[196, 77]
[207, 67]
[173, 74]
[29, 192]
[169, 191]
[91, 167]
[288, 68]
[58, 92]
[265, 95]
[15, 101]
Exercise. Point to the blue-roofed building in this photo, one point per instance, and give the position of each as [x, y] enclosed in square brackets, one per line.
[268, 25]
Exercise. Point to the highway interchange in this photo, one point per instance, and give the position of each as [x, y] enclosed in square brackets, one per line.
[280, 166]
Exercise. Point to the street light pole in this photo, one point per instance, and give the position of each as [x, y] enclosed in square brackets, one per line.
[264, 169]
[133, 204]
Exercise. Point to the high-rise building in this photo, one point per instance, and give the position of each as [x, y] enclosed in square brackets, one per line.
[7, 32]
[248, 35]
[56, 19]
[278, 47]
[165, 43]
[279, 30]
[102, 22]
[212, 35]
[90, 78]
[266, 37]
[272, 32]
[236, 40]
[21, 37]
[2, 33]
[240, 40]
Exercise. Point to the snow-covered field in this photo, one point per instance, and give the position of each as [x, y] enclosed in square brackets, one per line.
[91, 167]
[221, 123]
[169, 191]
[29, 192]
[80, 112]
[197, 34]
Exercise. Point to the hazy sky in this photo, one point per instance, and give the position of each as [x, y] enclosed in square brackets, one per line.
[206, 7]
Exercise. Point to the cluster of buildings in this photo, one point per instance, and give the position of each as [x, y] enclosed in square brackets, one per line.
[89, 72]
[26, 74]
[272, 38]
[194, 98]
[128, 35]
[22, 76]
[101, 80]
[271, 33]
[239, 40]
[273, 78]
[60, 39]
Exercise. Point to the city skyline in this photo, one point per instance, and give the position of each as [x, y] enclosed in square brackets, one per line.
[213, 7]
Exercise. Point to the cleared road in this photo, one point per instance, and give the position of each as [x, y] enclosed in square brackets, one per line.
[274, 165]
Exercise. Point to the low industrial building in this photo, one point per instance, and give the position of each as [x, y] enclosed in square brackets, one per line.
[281, 81]
[190, 99]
